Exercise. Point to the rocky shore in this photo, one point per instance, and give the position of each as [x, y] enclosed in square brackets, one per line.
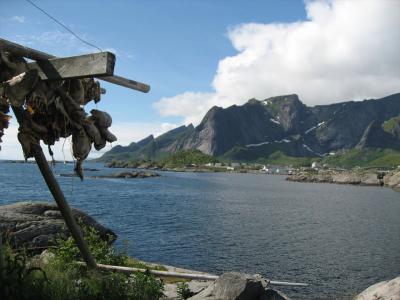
[355, 177]
[384, 290]
[133, 174]
[38, 224]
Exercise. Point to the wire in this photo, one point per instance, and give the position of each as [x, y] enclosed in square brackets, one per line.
[64, 26]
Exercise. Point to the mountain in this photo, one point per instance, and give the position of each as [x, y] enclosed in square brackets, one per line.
[261, 128]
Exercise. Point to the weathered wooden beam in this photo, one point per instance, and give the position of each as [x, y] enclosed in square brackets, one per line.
[33, 54]
[20, 50]
[192, 276]
[88, 65]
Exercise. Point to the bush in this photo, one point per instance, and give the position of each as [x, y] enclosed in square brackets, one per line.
[183, 291]
[76, 282]
[18, 280]
[61, 279]
[68, 251]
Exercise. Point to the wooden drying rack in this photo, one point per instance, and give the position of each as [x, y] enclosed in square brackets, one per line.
[99, 65]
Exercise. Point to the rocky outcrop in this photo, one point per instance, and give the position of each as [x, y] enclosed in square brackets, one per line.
[37, 224]
[132, 174]
[238, 286]
[338, 177]
[384, 290]
[355, 177]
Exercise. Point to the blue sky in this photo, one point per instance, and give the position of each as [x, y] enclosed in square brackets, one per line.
[196, 54]
[172, 45]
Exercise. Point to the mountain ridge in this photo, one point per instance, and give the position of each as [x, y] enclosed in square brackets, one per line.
[259, 128]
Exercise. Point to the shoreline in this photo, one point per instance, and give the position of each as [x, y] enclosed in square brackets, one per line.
[389, 179]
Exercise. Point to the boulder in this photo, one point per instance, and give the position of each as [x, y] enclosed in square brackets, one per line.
[238, 286]
[371, 179]
[392, 180]
[384, 290]
[38, 224]
[346, 178]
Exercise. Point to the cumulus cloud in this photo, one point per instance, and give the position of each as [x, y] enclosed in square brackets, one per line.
[126, 132]
[345, 50]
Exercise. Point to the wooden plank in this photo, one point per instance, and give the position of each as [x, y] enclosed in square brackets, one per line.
[88, 65]
[33, 54]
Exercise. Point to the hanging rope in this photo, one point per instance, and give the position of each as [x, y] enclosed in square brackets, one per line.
[62, 25]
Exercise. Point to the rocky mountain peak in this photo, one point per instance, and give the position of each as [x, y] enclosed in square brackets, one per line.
[259, 128]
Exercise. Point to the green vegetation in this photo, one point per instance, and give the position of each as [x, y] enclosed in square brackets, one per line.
[18, 279]
[188, 157]
[57, 277]
[279, 158]
[277, 154]
[390, 125]
[183, 291]
[67, 250]
[364, 158]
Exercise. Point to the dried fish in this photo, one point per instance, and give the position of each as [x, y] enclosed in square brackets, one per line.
[52, 109]
[101, 118]
[107, 135]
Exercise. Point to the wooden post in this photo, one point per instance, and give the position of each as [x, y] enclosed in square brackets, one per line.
[39, 55]
[58, 195]
[1, 257]
[63, 206]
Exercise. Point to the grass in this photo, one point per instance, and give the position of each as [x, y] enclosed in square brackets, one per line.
[279, 158]
[187, 157]
[390, 125]
[386, 158]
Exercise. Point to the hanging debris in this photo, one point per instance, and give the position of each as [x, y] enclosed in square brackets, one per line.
[52, 109]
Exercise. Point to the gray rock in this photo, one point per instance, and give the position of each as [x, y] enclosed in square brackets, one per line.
[392, 179]
[237, 286]
[132, 174]
[37, 224]
[384, 290]
[195, 286]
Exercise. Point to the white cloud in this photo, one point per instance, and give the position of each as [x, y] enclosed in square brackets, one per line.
[60, 43]
[190, 105]
[120, 53]
[19, 19]
[56, 42]
[346, 49]
[126, 133]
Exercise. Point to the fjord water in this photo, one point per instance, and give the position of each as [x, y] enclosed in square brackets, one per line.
[338, 238]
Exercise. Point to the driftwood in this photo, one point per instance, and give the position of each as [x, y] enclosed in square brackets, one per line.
[185, 275]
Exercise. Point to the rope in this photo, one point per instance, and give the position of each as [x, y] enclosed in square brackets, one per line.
[64, 26]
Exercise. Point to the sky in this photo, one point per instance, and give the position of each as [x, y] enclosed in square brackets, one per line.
[199, 53]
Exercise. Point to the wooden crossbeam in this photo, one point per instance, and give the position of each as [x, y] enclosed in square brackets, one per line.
[37, 55]
[88, 65]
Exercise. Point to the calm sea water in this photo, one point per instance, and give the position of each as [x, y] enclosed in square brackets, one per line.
[339, 239]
